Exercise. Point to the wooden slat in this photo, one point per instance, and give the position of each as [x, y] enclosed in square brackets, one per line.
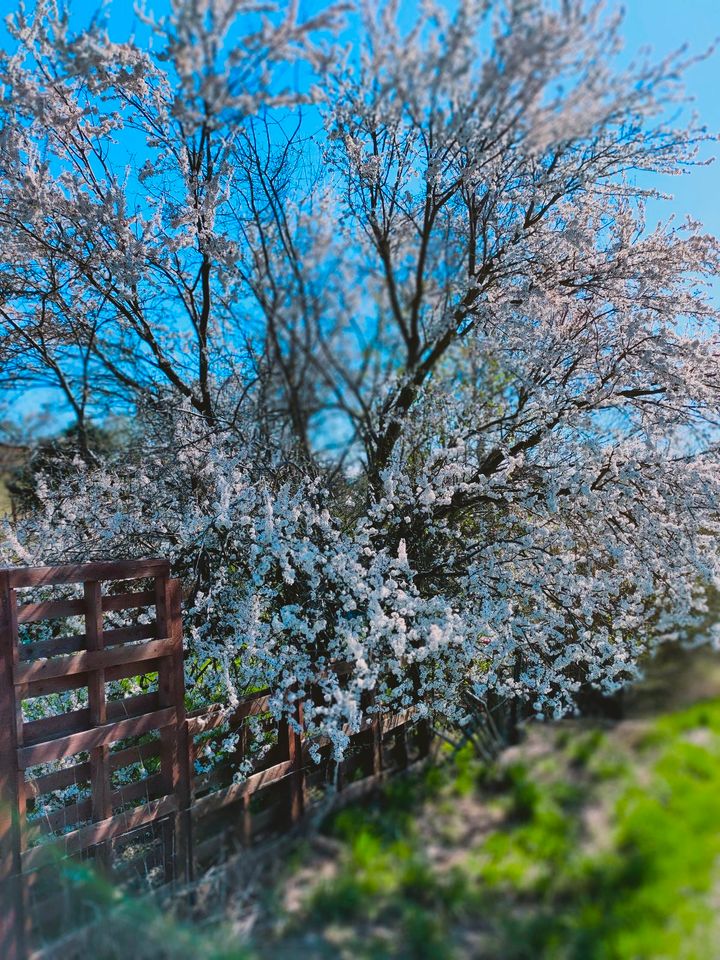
[95, 833]
[133, 706]
[74, 813]
[212, 719]
[397, 720]
[38, 649]
[295, 758]
[89, 739]
[68, 816]
[223, 798]
[246, 820]
[140, 631]
[91, 660]
[124, 670]
[80, 572]
[130, 792]
[49, 728]
[50, 610]
[323, 741]
[376, 746]
[41, 688]
[253, 706]
[35, 650]
[175, 753]
[128, 601]
[80, 772]
[58, 609]
[130, 755]
[58, 779]
[100, 802]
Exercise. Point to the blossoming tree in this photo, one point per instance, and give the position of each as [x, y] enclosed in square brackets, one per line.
[419, 387]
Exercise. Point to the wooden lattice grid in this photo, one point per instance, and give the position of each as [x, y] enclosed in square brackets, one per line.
[90, 660]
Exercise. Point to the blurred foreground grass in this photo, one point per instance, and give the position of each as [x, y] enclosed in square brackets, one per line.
[605, 845]
[589, 841]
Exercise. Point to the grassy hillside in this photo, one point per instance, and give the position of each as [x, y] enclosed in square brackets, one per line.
[586, 843]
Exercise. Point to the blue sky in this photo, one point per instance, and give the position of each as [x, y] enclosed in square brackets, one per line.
[663, 25]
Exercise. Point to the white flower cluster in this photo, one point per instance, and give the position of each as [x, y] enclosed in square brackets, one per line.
[561, 569]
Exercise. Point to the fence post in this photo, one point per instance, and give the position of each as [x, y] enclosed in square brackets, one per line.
[295, 756]
[175, 751]
[376, 746]
[12, 920]
[246, 825]
[97, 702]
[401, 739]
[425, 738]
[291, 741]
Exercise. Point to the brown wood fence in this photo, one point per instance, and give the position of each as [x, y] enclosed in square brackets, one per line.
[168, 806]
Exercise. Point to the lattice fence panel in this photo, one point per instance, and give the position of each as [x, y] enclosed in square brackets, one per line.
[109, 729]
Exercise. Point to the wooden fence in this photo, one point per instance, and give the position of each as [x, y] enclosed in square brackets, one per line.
[124, 768]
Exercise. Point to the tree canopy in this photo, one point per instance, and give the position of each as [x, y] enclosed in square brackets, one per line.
[415, 384]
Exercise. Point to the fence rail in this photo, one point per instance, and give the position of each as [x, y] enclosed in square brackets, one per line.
[185, 816]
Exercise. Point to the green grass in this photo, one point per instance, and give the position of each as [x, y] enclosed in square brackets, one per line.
[650, 893]
[540, 886]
